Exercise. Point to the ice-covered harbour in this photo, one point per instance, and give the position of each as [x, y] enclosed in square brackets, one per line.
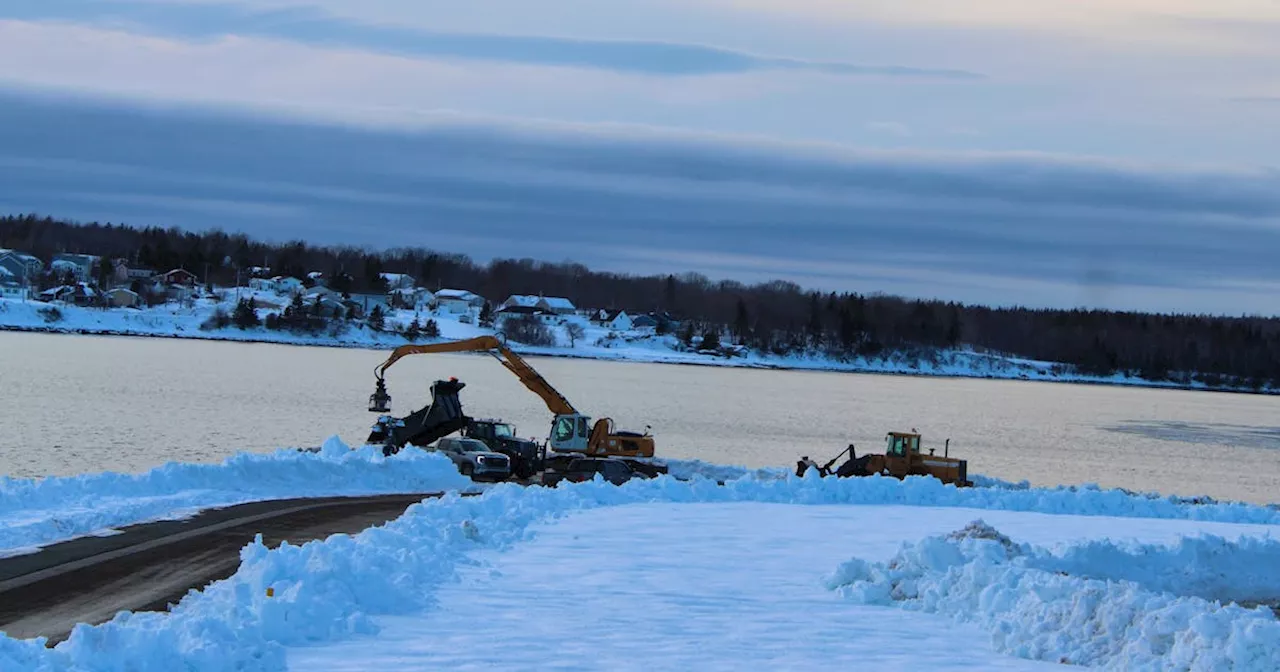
[199, 401]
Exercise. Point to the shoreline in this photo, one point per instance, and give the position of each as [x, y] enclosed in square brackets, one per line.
[1018, 372]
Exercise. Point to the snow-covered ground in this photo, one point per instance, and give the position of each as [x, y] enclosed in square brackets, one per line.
[776, 572]
[38, 512]
[176, 321]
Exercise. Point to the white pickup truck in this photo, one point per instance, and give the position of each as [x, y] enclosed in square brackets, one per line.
[474, 459]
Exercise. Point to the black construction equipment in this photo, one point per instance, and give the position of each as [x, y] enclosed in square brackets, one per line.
[442, 417]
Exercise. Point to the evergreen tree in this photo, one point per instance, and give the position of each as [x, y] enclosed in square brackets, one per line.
[414, 330]
[377, 320]
[742, 322]
[431, 329]
[245, 316]
[486, 315]
[711, 340]
[686, 335]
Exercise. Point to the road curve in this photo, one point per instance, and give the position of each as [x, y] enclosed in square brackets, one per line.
[150, 566]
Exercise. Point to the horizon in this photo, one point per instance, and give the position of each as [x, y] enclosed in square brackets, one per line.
[983, 157]
[680, 275]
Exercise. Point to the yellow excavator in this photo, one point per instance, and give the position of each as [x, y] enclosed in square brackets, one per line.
[572, 433]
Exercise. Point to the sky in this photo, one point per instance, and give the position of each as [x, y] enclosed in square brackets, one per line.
[1117, 154]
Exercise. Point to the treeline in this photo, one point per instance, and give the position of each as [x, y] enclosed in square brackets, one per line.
[778, 317]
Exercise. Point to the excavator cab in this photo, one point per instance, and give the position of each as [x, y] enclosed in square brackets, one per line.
[570, 433]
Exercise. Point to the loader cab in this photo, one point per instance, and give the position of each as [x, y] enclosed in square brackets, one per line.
[570, 433]
[902, 444]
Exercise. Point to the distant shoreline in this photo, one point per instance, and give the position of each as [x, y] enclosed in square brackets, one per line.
[1023, 373]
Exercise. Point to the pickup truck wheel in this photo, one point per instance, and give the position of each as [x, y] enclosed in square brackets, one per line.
[467, 469]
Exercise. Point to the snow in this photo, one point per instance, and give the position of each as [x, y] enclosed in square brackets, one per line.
[593, 576]
[600, 342]
[1099, 604]
[4, 273]
[38, 512]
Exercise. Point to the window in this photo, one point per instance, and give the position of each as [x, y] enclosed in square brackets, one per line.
[563, 430]
[583, 430]
[504, 430]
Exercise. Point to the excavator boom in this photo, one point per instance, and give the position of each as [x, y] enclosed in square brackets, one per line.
[533, 380]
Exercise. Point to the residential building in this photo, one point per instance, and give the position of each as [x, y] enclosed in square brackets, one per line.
[458, 301]
[398, 281]
[12, 286]
[21, 264]
[81, 266]
[549, 304]
[81, 294]
[644, 323]
[287, 285]
[178, 276]
[618, 320]
[411, 298]
[122, 298]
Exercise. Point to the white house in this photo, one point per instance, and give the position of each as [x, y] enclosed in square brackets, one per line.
[548, 304]
[287, 285]
[414, 298]
[617, 320]
[122, 298]
[458, 301]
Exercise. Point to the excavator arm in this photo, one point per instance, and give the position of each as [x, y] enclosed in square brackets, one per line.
[533, 380]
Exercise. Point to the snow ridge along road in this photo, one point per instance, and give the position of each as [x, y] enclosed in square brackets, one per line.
[146, 567]
[348, 588]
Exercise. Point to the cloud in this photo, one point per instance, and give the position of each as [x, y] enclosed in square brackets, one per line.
[894, 128]
[1026, 228]
[314, 27]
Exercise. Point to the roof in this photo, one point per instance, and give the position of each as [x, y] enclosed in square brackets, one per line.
[64, 263]
[121, 290]
[559, 302]
[315, 275]
[395, 277]
[522, 300]
[611, 315]
[456, 294]
[5, 273]
[75, 257]
[21, 255]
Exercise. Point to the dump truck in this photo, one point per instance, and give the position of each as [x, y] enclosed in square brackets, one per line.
[438, 419]
[902, 458]
[573, 435]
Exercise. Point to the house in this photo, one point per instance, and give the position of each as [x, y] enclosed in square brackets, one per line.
[287, 285]
[411, 298]
[617, 320]
[259, 271]
[366, 302]
[644, 323]
[458, 301]
[80, 294]
[122, 298]
[20, 264]
[11, 286]
[81, 266]
[178, 276]
[398, 280]
[316, 278]
[548, 304]
[124, 274]
[329, 305]
[319, 292]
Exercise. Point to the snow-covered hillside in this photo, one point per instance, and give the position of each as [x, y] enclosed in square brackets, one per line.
[176, 321]
[670, 574]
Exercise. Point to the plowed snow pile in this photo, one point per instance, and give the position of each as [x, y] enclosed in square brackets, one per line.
[38, 512]
[1096, 603]
[341, 587]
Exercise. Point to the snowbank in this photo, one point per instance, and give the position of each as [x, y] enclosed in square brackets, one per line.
[36, 512]
[326, 590]
[1094, 604]
[687, 469]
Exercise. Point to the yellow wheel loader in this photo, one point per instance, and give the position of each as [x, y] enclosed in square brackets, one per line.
[902, 458]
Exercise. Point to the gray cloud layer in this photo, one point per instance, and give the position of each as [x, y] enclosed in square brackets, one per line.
[203, 21]
[999, 228]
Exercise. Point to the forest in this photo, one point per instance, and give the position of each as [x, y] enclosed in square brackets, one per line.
[779, 317]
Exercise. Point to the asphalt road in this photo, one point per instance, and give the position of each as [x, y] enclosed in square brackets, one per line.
[148, 567]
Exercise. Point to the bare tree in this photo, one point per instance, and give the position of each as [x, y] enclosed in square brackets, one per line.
[574, 331]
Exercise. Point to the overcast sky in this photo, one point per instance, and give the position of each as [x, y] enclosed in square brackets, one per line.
[1115, 153]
